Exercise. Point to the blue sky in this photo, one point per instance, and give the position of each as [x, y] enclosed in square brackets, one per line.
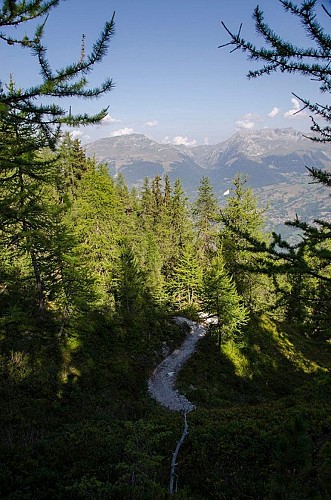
[172, 81]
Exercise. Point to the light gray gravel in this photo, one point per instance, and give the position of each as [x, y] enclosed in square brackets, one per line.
[161, 383]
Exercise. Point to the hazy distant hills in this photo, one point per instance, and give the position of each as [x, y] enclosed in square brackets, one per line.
[137, 157]
[266, 156]
[272, 159]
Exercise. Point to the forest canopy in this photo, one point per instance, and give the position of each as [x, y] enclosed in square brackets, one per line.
[93, 272]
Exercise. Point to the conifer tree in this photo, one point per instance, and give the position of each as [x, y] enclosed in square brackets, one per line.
[132, 299]
[162, 238]
[94, 220]
[310, 258]
[157, 198]
[187, 279]
[221, 300]
[71, 165]
[206, 218]
[155, 283]
[26, 210]
[180, 220]
[167, 190]
[128, 208]
[28, 124]
[277, 54]
[241, 215]
[69, 81]
[146, 203]
[180, 231]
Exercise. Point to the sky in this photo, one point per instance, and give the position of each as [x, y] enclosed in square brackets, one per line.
[172, 82]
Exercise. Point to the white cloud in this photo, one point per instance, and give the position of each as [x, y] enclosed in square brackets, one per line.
[179, 140]
[152, 123]
[251, 117]
[206, 141]
[74, 134]
[123, 131]
[248, 121]
[274, 112]
[108, 120]
[245, 124]
[294, 111]
[166, 140]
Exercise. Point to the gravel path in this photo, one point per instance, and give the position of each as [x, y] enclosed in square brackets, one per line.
[161, 383]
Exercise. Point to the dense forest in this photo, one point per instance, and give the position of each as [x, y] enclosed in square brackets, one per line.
[91, 276]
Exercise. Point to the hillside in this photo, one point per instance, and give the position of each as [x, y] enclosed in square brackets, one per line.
[84, 426]
[153, 347]
[273, 161]
[87, 304]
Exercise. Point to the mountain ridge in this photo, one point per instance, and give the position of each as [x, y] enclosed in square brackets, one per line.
[273, 160]
[253, 145]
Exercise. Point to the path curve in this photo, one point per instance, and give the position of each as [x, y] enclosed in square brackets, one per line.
[161, 383]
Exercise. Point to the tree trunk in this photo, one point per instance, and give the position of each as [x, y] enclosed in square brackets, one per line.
[218, 323]
[39, 285]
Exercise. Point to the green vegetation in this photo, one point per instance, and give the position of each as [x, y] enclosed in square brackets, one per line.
[90, 277]
[76, 419]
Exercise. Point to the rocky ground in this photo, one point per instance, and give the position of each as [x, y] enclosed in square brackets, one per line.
[161, 383]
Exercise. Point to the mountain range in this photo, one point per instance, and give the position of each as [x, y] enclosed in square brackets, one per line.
[273, 160]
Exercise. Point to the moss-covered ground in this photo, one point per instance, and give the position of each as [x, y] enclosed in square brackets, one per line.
[76, 420]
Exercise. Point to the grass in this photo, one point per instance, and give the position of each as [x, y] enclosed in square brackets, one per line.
[268, 362]
[76, 420]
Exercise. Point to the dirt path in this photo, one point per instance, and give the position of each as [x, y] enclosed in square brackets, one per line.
[161, 383]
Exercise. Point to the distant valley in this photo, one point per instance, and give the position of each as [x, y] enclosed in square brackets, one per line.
[273, 160]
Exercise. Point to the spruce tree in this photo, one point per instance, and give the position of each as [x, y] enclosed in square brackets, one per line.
[94, 220]
[146, 212]
[186, 284]
[30, 122]
[167, 190]
[220, 299]
[157, 199]
[153, 262]
[71, 165]
[205, 212]
[180, 233]
[241, 215]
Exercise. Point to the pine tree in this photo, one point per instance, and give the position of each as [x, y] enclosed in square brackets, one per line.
[186, 283]
[221, 300]
[205, 212]
[71, 164]
[27, 212]
[94, 219]
[69, 81]
[241, 215]
[282, 55]
[30, 211]
[311, 256]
